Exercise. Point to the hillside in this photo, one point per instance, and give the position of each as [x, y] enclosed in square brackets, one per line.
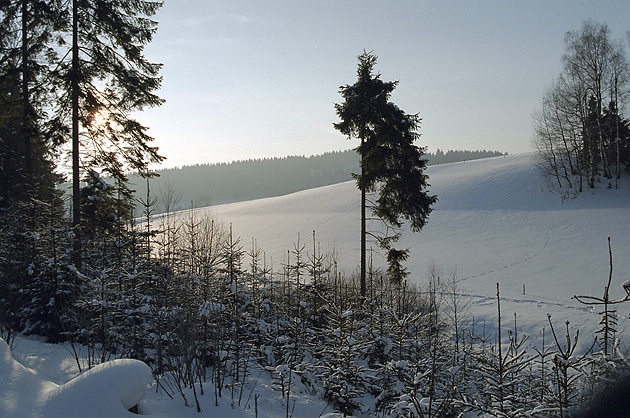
[211, 184]
[495, 222]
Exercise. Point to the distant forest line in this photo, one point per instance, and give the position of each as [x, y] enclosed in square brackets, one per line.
[212, 184]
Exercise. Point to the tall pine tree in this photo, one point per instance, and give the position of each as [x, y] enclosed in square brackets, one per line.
[25, 36]
[29, 202]
[391, 164]
[104, 79]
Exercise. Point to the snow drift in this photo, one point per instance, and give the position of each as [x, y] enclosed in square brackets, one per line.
[22, 391]
[108, 390]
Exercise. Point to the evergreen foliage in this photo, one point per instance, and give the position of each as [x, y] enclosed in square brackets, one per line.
[34, 280]
[205, 323]
[392, 166]
[102, 79]
[114, 80]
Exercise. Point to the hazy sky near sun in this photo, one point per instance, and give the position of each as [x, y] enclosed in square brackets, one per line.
[252, 78]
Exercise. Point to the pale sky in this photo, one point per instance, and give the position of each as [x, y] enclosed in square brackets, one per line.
[252, 78]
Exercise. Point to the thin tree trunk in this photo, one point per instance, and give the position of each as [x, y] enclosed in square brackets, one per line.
[617, 162]
[25, 94]
[76, 202]
[500, 353]
[363, 227]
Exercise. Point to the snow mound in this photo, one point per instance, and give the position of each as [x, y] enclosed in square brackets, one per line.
[108, 390]
[21, 390]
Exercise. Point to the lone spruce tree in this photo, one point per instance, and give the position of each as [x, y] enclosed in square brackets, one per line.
[392, 166]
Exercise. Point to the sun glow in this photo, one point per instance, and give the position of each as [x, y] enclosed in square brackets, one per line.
[99, 119]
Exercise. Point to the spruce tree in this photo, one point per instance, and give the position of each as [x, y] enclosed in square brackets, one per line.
[30, 205]
[104, 78]
[26, 55]
[391, 164]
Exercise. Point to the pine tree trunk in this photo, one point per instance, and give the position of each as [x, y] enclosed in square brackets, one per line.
[76, 202]
[363, 227]
[25, 93]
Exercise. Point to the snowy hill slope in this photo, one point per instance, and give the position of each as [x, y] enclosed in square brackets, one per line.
[495, 222]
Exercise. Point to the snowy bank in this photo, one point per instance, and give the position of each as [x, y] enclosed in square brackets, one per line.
[22, 391]
[108, 390]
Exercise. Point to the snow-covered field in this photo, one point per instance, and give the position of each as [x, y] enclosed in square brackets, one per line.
[495, 222]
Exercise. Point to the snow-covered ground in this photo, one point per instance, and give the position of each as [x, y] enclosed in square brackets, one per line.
[495, 222]
[40, 380]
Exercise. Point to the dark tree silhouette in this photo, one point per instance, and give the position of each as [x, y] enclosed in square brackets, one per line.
[391, 164]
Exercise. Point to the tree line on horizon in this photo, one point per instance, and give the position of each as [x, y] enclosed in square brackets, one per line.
[202, 185]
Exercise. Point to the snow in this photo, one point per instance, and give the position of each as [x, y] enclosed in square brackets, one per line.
[40, 380]
[496, 221]
[22, 391]
[107, 390]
